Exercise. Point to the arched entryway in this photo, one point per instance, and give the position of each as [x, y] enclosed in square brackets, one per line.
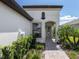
[49, 27]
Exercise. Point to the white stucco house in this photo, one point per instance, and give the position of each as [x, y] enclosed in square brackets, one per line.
[45, 19]
[39, 20]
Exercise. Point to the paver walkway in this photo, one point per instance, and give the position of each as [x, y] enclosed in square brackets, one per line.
[50, 45]
[55, 54]
[53, 51]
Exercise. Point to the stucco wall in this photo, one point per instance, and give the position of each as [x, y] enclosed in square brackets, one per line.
[11, 21]
[51, 14]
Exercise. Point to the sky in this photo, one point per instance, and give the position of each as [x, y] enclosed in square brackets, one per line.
[69, 12]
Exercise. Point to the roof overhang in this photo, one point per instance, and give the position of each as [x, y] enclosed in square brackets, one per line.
[15, 6]
[43, 6]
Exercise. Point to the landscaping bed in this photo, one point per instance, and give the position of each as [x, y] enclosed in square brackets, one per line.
[73, 54]
[24, 48]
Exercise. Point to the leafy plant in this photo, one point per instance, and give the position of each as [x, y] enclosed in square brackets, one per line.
[33, 54]
[6, 53]
[18, 49]
[39, 46]
[23, 46]
[65, 33]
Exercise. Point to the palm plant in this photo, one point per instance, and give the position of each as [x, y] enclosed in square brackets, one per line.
[67, 31]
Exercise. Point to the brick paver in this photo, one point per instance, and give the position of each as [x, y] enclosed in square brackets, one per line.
[55, 54]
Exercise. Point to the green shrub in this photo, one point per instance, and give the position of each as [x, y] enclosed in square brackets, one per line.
[6, 53]
[21, 47]
[18, 49]
[33, 54]
[33, 43]
[72, 54]
[39, 46]
[69, 36]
